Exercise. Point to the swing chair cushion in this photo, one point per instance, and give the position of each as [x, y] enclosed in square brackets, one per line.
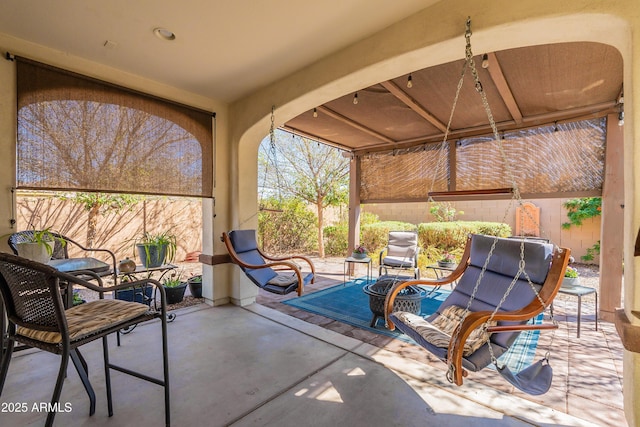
[439, 331]
[500, 272]
[283, 279]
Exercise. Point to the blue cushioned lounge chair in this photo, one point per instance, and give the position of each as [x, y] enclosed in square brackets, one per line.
[279, 275]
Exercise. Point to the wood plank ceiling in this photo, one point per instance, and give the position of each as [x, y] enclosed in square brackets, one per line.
[525, 87]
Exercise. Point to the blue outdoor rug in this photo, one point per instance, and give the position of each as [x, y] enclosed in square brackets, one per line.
[349, 304]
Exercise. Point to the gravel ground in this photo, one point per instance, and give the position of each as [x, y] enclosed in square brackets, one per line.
[185, 269]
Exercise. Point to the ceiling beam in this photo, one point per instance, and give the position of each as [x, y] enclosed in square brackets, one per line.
[495, 71]
[574, 114]
[333, 114]
[395, 90]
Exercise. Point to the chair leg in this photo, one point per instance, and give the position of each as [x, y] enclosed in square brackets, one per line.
[55, 399]
[4, 366]
[165, 362]
[596, 318]
[107, 373]
[80, 364]
[579, 313]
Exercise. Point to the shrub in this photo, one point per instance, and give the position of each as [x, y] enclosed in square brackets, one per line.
[579, 210]
[293, 229]
[452, 236]
[336, 239]
[376, 235]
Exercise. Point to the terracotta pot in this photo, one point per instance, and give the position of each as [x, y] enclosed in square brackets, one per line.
[127, 266]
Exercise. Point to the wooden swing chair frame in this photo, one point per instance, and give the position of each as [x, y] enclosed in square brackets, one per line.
[477, 319]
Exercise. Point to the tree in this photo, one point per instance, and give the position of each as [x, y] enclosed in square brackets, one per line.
[79, 144]
[99, 203]
[305, 169]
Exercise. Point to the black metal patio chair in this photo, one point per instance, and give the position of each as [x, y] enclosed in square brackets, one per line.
[32, 297]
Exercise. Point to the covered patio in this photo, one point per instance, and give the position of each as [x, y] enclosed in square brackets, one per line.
[239, 74]
[261, 366]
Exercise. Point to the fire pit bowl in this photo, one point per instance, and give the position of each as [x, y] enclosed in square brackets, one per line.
[409, 299]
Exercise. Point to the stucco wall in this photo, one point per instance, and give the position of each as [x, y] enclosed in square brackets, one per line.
[117, 231]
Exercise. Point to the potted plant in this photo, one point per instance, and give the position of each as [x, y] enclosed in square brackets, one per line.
[38, 245]
[447, 260]
[143, 294]
[156, 249]
[571, 278]
[174, 288]
[195, 285]
[77, 299]
[359, 253]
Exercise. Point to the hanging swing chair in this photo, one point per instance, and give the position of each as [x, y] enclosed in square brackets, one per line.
[278, 275]
[502, 283]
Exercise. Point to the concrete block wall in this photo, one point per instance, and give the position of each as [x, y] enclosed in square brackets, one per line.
[552, 215]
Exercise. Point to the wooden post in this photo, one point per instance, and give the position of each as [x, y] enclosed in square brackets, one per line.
[611, 237]
[354, 207]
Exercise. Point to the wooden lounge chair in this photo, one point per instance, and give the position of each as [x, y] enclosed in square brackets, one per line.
[279, 275]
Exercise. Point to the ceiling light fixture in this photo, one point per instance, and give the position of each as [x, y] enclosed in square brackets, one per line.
[409, 81]
[485, 61]
[621, 118]
[315, 112]
[355, 98]
[164, 34]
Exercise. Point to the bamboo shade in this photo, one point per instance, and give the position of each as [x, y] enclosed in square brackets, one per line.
[546, 161]
[80, 134]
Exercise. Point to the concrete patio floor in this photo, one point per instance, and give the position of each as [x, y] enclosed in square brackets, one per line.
[587, 370]
[256, 366]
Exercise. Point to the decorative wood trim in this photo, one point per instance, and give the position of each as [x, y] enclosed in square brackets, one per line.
[455, 194]
[214, 259]
[628, 332]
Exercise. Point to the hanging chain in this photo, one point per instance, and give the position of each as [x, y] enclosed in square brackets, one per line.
[272, 130]
[470, 62]
[273, 153]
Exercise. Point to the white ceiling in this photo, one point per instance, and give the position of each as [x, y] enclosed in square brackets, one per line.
[224, 49]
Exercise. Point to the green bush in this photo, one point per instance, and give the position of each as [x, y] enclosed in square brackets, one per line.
[452, 236]
[436, 238]
[292, 227]
[336, 239]
[375, 236]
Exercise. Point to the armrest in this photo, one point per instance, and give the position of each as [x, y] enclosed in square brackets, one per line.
[395, 290]
[76, 279]
[382, 252]
[288, 258]
[107, 251]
